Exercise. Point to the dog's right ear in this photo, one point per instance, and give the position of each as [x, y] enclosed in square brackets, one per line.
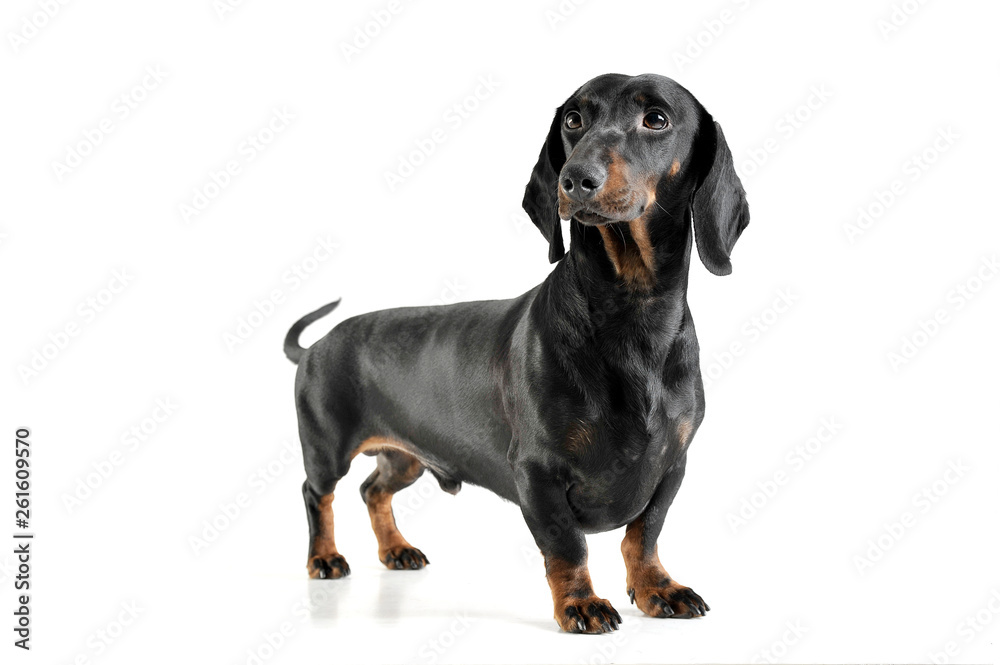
[541, 200]
[719, 205]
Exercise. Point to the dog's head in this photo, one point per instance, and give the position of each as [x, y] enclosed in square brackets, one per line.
[621, 148]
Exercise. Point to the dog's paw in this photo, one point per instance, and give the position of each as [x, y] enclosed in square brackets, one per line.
[404, 558]
[333, 567]
[670, 600]
[587, 615]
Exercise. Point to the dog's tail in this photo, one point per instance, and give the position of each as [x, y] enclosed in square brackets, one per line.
[293, 350]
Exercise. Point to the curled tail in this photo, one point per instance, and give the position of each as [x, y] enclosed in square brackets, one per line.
[292, 348]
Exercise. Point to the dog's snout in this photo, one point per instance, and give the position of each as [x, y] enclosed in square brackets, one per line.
[581, 182]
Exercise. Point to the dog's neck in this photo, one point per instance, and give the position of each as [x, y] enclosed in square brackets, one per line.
[615, 308]
[627, 282]
[641, 259]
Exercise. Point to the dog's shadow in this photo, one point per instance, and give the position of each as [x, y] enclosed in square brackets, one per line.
[324, 597]
[397, 596]
[392, 592]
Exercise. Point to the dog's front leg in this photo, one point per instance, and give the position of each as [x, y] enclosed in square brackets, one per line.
[648, 584]
[557, 532]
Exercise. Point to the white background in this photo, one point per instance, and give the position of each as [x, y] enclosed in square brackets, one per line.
[805, 555]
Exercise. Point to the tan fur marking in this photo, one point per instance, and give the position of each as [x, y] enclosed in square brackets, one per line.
[646, 270]
[612, 245]
[565, 205]
[641, 570]
[617, 180]
[674, 168]
[627, 244]
[375, 443]
[571, 587]
[684, 429]
[567, 580]
[384, 524]
[631, 253]
[379, 502]
[323, 546]
[646, 577]
[569, 584]
[578, 438]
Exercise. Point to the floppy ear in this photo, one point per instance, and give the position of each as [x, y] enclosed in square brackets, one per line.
[540, 199]
[719, 204]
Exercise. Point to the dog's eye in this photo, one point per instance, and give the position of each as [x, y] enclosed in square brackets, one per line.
[573, 120]
[654, 120]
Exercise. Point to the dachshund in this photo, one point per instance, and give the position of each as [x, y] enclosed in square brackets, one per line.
[577, 400]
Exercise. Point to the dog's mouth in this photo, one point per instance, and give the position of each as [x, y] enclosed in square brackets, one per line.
[601, 213]
[591, 218]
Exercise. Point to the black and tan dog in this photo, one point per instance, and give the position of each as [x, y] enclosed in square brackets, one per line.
[577, 400]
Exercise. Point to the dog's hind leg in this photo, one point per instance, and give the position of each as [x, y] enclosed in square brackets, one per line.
[326, 462]
[396, 470]
[324, 559]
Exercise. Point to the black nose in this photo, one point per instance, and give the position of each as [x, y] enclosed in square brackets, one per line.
[581, 182]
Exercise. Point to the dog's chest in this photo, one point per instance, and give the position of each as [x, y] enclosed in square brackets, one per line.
[614, 480]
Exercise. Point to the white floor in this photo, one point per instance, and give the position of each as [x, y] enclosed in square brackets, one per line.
[483, 599]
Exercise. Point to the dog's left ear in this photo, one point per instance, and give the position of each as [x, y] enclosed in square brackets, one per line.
[541, 201]
[719, 204]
